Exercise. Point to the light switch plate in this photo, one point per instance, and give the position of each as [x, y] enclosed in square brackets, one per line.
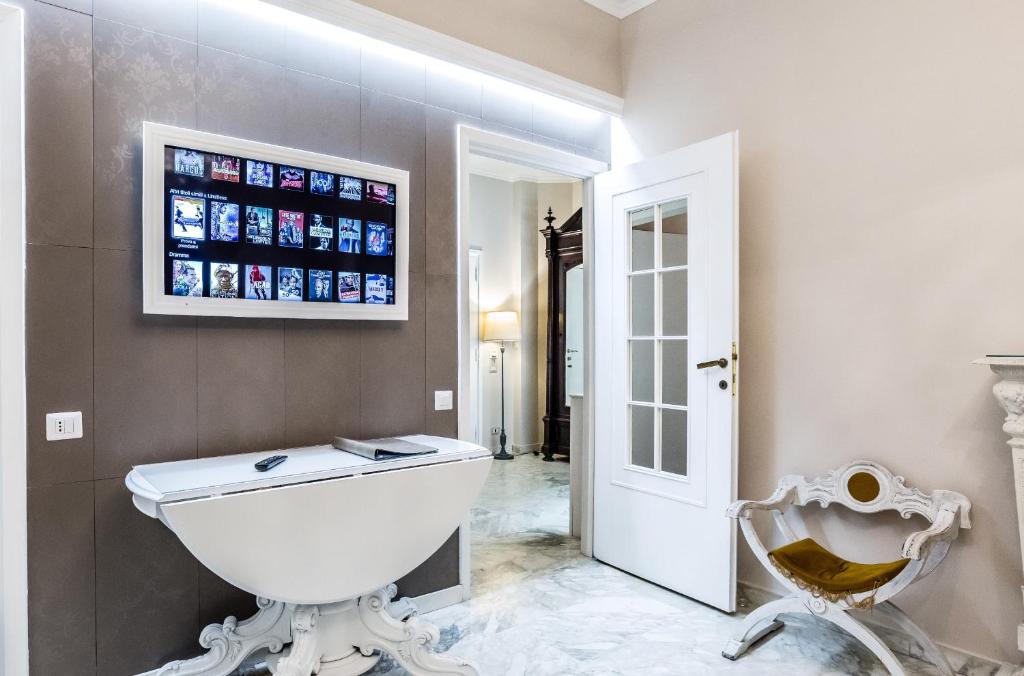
[66, 425]
[443, 400]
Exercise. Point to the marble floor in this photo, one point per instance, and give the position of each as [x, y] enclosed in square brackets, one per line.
[539, 607]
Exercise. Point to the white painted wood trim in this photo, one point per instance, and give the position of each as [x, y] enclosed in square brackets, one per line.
[442, 598]
[13, 492]
[154, 301]
[476, 141]
[377, 25]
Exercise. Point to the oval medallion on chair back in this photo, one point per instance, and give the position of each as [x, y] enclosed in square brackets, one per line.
[863, 487]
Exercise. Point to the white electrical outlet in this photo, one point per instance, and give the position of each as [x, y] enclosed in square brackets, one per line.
[443, 400]
[64, 425]
[495, 430]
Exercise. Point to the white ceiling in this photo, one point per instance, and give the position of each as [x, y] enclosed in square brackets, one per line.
[506, 171]
[620, 8]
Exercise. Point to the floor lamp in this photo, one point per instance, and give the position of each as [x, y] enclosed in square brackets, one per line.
[502, 327]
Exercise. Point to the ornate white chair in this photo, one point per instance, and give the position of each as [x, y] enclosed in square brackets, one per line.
[826, 586]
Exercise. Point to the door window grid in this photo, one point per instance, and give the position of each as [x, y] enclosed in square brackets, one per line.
[642, 216]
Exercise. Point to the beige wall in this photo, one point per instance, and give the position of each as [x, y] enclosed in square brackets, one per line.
[881, 165]
[567, 37]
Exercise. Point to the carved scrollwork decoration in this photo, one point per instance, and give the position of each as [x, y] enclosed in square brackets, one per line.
[229, 643]
[409, 640]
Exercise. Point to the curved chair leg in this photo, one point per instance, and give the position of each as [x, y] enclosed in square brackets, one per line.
[758, 624]
[868, 638]
[932, 652]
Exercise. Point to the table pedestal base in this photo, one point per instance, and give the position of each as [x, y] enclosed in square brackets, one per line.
[335, 639]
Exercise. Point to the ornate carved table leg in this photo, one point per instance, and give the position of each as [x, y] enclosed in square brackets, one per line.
[409, 641]
[1010, 393]
[303, 657]
[230, 643]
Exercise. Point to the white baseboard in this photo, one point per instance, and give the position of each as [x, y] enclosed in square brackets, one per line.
[523, 449]
[442, 598]
[962, 661]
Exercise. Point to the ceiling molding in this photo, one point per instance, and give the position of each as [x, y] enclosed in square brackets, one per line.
[374, 24]
[620, 9]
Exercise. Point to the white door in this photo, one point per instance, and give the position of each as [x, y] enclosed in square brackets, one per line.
[575, 299]
[665, 314]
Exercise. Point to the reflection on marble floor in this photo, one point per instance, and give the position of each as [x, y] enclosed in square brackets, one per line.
[539, 607]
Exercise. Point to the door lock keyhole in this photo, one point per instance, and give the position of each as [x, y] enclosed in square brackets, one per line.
[722, 385]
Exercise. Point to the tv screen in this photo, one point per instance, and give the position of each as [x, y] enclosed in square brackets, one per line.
[248, 229]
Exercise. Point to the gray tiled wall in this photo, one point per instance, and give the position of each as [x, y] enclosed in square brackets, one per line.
[111, 591]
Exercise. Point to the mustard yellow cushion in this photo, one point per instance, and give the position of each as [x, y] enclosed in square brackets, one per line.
[814, 565]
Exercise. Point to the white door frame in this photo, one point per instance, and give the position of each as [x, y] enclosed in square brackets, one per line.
[473, 141]
[13, 491]
[475, 260]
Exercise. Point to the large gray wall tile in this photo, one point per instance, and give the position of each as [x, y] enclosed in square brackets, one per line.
[294, 42]
[458, 90]
[83, 6]
[321, 49]
[241, 385]
[219, 600]
[59, 337]
[242, 97]
[393, 133]
[58, 126]
[147, 589]
[442, 350]
[594, 136]
[177, 18]
[553, 119]
[441, 192]
[140, 76]
[62, 580]
[392, 371]
[440, 571]
[232, 27]
[145, 374]
[505, 104]
[392, 74]
[322, 369]
[323, 115]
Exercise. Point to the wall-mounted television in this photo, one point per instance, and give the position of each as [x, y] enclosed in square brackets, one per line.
[247, 229]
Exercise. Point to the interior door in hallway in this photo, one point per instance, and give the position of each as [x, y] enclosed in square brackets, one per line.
[665, 331]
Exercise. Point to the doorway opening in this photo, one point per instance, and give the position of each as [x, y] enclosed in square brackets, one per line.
[522, 299]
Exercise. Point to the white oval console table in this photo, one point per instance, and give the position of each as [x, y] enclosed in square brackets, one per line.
[319, 540]
[1009, 392]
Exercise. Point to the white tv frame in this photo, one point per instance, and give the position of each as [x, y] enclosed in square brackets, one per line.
[154, 301]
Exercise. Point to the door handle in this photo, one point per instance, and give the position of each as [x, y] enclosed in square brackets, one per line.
[721, 363]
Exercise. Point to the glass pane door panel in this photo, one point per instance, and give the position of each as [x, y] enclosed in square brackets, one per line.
[641, 303]
[673, 233]
[673, 441]
[642, 436]
[641, 361]
[673, 303]
[641, 225]
[673, 372]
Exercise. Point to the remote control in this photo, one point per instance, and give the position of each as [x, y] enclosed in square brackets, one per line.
[273, 461]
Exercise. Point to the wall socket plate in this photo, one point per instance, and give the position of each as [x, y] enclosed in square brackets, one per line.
[66, 425]
[443, 400]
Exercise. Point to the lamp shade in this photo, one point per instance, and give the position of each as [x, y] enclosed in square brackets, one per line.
[501, 326]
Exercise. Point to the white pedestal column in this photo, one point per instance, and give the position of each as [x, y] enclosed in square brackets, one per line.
[1009, 392]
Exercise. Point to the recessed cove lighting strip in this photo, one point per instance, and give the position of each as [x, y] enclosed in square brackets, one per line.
[402, 39]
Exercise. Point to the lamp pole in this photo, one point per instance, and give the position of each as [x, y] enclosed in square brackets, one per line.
[502, 454]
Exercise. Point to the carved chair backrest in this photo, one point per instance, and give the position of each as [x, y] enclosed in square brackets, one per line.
[867, 487]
